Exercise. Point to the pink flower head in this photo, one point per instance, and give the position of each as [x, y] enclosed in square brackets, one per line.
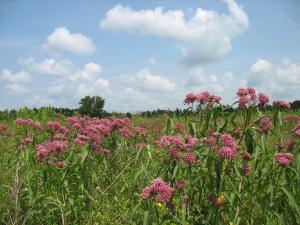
[296, 130]
[252, 93]
[290, 144]
[25, 141]
[246, 96]
[37, 125]
[284, 159]
[161, 189]
[180, 185]
[263, 100]
[246, 168]
[23, 122]
[228, 141]
[190, 98]
[126, 133]
[242, 92]
[246, 156]
[190, 142]
[227, 153]
[282, 104]
[265, 124]
[47, 148]
[189, 158]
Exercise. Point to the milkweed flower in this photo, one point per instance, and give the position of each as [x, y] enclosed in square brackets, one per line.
[162, 190]
[25, 141]
[228, 141]
[189, 158]
[227, 153]
[265, 124]
[282, 104]
[23, 122]
[190, 98]
[246, 168]
[246, 96]
[284, 159]
[246, 156]
[296, 130]
[263, 100]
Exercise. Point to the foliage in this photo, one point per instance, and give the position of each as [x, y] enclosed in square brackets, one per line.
[207, 164]
[92, 106]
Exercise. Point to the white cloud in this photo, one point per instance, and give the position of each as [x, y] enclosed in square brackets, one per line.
[62, 40]
[49, 66]
[89, 72]
[16, 89]
[280, 80]
[204, 38]
[20, 77]
[262, 65]
[147, 82]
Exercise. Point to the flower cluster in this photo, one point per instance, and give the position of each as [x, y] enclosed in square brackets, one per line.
[246, 96]
[211, 139]
[263, 100]
[228, 150]
[283, 159]
[265, 124]
[203, 99]
[296, 130]
[162, 190]
[179, 148]
[282, 104]
[28, 123]
[57, 126]
[49, 147]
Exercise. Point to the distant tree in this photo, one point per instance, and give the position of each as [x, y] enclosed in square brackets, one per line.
[295, 104]
[92, 106]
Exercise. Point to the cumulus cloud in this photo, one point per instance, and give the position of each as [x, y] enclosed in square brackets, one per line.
[280, 80]
[16, 89]
[20, 77]
[147, 82]
[62, 40]
[15, 83]
[48, 66]
[204, 38]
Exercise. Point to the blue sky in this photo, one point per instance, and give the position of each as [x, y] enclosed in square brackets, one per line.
[146, 54]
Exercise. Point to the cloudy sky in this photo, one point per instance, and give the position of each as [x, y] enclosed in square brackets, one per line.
[142, 54]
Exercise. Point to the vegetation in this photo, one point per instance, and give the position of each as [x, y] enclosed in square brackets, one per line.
[207, 164]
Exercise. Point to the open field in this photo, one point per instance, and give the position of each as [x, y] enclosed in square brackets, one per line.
[209, 166]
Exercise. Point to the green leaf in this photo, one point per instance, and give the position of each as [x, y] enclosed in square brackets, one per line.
[249, 140]
[146, 216]
[85, 153]
[170, 124]
[183, 217]
[291, 199]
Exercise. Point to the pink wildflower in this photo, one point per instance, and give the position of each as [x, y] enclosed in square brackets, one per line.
[246, 168]
[282, 104]
[189, 158]
[161, 189]
[190, 98]
[283, 159]
[227, 153]
[263, 100]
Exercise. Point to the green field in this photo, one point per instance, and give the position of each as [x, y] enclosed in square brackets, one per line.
[209, 166]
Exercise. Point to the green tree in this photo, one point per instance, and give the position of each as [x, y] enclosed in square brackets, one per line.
[92, 106]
